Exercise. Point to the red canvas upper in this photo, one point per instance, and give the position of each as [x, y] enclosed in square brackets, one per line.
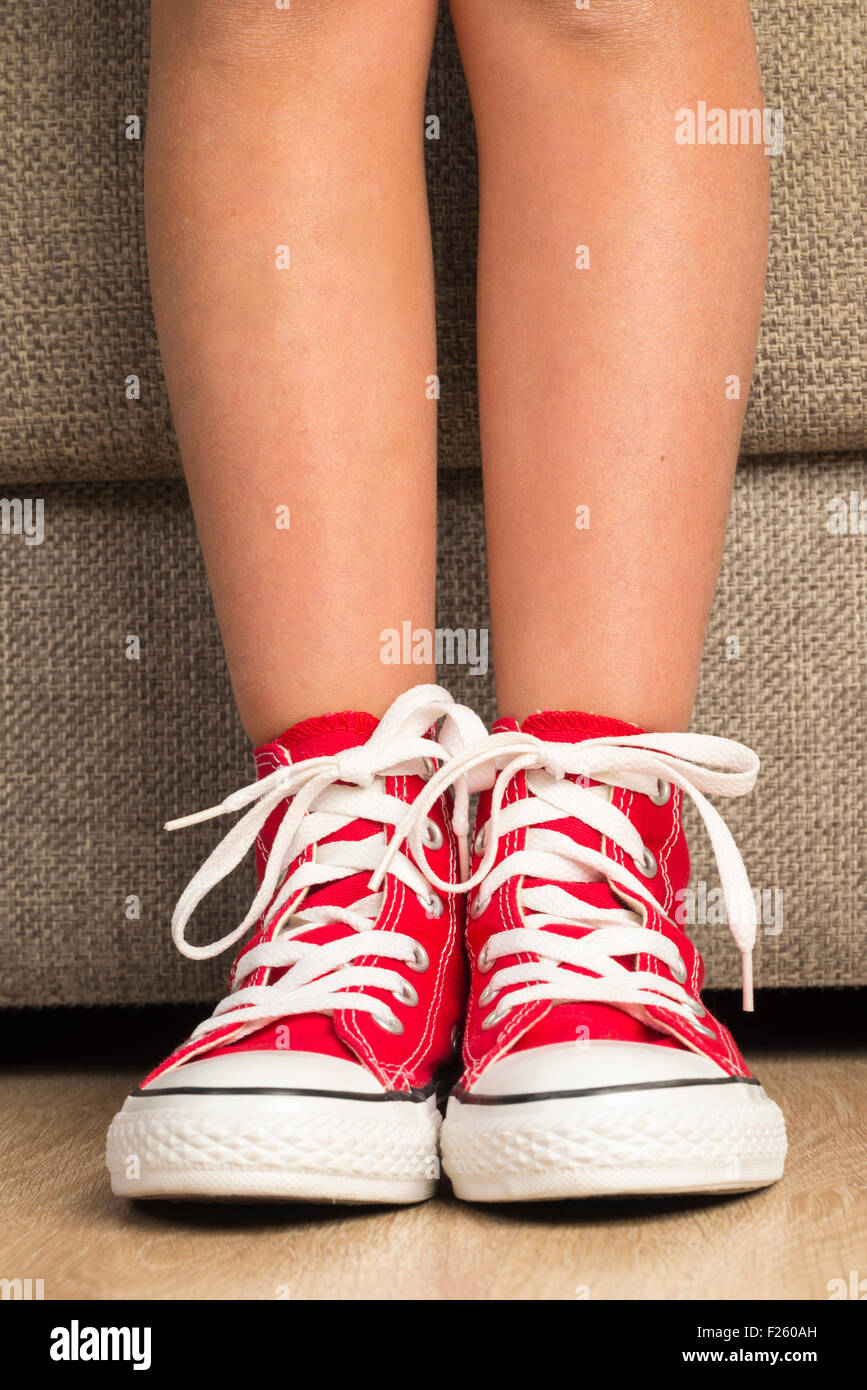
[399, 1062]
[540, 1022]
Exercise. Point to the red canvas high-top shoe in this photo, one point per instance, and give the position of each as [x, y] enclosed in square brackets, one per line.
[317, 1076]
[591, 1065]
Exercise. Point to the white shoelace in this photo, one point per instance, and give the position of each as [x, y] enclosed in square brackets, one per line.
[320, 978]
[644, 763]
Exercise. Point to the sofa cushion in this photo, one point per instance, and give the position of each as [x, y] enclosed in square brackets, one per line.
[75, 319]
[101, 742]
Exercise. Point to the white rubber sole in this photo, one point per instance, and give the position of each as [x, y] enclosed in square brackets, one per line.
[274, 1148]
[620, 1141]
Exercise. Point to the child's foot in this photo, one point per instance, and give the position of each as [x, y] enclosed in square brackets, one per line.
[317, 1077]
[592, 1067]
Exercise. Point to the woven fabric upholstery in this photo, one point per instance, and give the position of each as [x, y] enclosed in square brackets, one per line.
[98, 750]
[74, 303]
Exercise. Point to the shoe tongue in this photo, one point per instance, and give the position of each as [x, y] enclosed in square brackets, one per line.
[320, 737]
[564, 726]
[601, 1020]
[572, 726]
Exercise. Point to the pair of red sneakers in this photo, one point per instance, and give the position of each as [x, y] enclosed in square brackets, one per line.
[590, 1065]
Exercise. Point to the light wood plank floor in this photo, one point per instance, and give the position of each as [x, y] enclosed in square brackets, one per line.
[59, 1221]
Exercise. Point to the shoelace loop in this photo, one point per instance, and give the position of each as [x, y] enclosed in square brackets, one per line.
[695, 763]
[326, 794]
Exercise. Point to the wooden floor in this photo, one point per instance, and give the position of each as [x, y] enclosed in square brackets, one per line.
[60, 1223]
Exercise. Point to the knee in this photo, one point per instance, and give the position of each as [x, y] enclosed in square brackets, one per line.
[596, 22]
[240, 33]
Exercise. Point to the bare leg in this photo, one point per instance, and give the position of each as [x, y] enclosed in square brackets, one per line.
[605, 387]
[299, 386]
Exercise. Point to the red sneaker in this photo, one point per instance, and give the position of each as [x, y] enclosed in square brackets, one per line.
[591, 1065]
[317, 1077]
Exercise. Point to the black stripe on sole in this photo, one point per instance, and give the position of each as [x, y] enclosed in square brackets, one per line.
[470, 1098]
[414, 1096]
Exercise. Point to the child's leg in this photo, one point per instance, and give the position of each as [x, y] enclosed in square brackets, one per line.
[297, 378]
[605, 387]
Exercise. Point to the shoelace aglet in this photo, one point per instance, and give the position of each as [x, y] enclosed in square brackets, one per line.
[183, 821]
[747, 961]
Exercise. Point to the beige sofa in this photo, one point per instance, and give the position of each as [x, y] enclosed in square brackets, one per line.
[97, 749]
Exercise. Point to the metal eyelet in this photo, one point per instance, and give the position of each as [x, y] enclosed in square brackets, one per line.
[478, 906]
[391, 1025]
[487, 994]
[420, 959]
[680, 972]
[696, 1008]
[483, 961]
[406, 994]
[663, 792]
[433, 905]
[700, 1028]
[433, 836]
[646, 865]
[429, 768]
[479, 841]
[494, 1017]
